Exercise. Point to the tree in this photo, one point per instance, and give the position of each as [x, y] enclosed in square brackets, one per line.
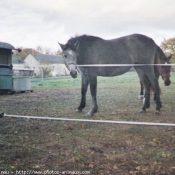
[44, 50]
[48, 51]
[46, 71]
[39, 49]
[25, 52]
[168, 46]
[58, 52]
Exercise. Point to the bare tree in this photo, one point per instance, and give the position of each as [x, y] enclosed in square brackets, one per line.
[168, 46]
[39, 49]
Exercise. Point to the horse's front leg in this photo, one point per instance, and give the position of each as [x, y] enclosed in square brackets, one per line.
[93, 89]
[157, 98]
[155, 95]
[141, 95]
[155, 84]
[146, 101]
[84, 86]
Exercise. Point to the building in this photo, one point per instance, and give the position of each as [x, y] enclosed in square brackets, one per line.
[41, 62]
[8, 81]
[18, 63]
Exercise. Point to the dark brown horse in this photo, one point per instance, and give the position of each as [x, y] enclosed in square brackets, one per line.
[160, 70]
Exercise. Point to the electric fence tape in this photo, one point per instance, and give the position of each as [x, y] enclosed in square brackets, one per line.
[91, 121]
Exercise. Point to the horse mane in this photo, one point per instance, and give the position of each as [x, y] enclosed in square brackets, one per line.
[88, 38]
[161, 56]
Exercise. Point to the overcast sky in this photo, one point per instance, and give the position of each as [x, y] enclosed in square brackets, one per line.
[45, 22]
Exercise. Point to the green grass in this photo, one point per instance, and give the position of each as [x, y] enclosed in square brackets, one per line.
[58, 145]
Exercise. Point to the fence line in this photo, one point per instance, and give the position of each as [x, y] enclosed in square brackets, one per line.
[91, 121]
[98, 121]
[115, 65]
[118, 65]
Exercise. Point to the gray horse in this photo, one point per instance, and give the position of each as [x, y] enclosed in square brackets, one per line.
[81, 51]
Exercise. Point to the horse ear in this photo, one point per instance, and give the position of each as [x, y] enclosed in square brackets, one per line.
[169, 57]
[62, 46]
[76, 45]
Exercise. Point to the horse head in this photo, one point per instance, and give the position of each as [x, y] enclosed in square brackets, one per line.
[70, 57]
[165, 71]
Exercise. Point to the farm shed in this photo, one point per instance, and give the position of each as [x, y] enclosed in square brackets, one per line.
[6, 72]
[6, 53]
[8, 80]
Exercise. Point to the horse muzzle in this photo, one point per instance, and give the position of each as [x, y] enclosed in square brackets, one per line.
[167, 82]
[73, 70]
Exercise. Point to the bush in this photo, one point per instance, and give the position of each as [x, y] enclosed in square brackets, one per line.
[46, 71]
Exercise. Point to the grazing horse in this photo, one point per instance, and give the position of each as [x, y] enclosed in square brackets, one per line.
[161, 70]
[92, 55]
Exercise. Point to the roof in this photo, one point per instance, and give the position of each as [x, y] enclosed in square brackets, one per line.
[49, 59]
[6, 46]
[17, 60]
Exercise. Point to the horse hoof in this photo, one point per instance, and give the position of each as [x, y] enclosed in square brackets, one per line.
[77, 110]
[142, 111]
[89, 114]
[157, 112]
[140, 97]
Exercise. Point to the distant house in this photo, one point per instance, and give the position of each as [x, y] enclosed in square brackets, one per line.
[33, 64]
[18, 63]
[39, 62]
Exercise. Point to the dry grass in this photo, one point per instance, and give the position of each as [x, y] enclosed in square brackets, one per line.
[76, 146]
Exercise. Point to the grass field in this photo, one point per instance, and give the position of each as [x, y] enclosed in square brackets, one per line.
[98, 148]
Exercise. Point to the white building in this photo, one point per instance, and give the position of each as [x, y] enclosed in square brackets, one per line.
[40, 62]
[18, 63]
[33, 64]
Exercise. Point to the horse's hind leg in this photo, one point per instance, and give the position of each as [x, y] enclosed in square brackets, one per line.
[146, 100]
[146, 84]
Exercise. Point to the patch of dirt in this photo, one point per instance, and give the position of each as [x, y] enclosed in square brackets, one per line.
[98, 148]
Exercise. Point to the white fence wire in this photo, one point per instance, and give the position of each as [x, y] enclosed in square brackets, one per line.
[92, 121]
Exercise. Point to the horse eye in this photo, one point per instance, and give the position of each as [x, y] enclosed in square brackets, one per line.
[65, 56]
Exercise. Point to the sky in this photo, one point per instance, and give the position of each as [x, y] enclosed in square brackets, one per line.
[44, 23]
